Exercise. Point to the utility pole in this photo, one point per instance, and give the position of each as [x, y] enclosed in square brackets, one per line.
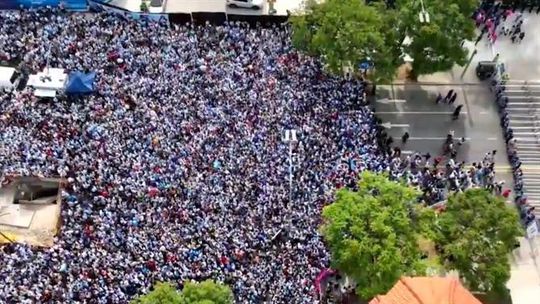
[290, 138]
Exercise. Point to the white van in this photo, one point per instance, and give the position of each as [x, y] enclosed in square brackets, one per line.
[253, 4]
[156, 7]
[8, 78]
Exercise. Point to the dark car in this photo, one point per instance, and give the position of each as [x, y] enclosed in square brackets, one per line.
[486, 69]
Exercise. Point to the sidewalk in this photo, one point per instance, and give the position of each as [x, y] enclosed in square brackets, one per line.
[463, 74]
[524, 283]
[523, 63]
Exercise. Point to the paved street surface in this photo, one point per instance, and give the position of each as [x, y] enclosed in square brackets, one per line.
[412, 108]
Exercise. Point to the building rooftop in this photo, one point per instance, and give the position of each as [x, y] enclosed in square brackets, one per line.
[427, 290]
[30, 210]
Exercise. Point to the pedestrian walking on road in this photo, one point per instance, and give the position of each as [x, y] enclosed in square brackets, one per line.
[389, 140]
[439, 98]
[405, 137]
[453, 98]
[448, 95]
[455, 115]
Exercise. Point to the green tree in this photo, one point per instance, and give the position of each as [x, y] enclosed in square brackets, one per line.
[344, 33]
[373, 233]
[475, 235]
[206, 292]
[437, 45]
[163, 293]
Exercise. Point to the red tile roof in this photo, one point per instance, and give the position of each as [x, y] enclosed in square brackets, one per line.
[427, 290]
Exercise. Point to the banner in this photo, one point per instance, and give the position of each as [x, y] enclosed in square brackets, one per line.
[68, 4]
[99, 5]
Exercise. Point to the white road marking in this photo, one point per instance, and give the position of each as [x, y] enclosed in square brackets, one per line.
[436, 138]
[389, 125]
[521, 115]
[526, 103]
[419, 113]
[527, 133]
[388, 101]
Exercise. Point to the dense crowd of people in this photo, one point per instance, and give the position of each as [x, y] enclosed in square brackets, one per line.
[176, 167]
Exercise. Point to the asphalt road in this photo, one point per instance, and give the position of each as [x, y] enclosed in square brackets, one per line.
[412, 108]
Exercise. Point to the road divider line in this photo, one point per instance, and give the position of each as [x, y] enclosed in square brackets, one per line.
[418, 113]
[388, 101]
[437, 138]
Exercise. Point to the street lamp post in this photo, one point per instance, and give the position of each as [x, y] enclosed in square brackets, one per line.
[290, 138]
[424, 15]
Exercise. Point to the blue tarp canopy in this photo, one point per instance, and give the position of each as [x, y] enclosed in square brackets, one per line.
[80, 83]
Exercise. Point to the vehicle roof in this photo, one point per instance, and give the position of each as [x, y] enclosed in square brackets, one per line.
[5, 74]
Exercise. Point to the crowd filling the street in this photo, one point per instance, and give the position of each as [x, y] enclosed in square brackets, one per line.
[176, 166]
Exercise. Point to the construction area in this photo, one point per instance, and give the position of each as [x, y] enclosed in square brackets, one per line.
[30, 210]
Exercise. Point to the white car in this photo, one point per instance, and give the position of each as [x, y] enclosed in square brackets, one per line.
[155, 7]
[253, 4]
[9, 78]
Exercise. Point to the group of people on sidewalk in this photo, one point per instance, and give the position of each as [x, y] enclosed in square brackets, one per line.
[176, 167]
[497, 19]
[526, 211]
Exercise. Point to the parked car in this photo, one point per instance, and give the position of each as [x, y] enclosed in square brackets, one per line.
[9, 78]
[486, 69]
[156, 6]
[253, 4]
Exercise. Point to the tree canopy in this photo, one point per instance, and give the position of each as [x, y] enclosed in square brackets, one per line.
[349, 32]
[475, 235]
[342, 32]
[207, 292]
[163, 293]
[437, 45]
[373, 233]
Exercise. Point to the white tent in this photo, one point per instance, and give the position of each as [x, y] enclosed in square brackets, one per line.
[48, 82]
